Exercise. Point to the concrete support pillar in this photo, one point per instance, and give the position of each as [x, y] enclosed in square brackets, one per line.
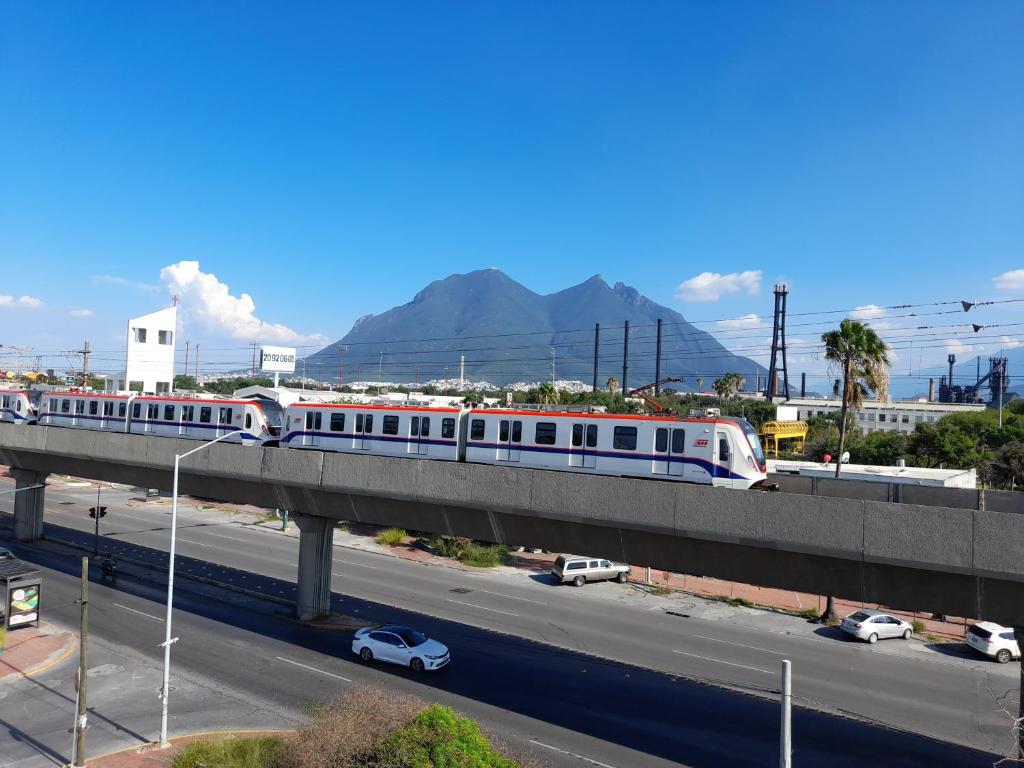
[316, 539]
[28, 505]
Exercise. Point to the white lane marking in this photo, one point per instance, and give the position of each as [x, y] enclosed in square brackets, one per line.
[511, 597]
[148, 616]
[222, 536]
[482, 607]
[571, 754]
[197, 543]
[312, 669]
[358, 565]
[740, 645]
[720, 661]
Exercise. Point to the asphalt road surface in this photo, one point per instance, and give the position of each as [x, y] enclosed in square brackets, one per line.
[602, 674]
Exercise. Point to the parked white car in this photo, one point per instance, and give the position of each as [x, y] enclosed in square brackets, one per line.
[872, 626]
[579, 570]
[993, 640]
[400, 645]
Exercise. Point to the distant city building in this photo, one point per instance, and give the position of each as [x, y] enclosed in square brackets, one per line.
[149, 358]
[875, 416]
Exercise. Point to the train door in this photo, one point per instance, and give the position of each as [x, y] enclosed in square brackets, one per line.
[722, 458]
[676, 449]
[310, 435]
[510, 436]
[152, 413]
[364, 426]
[660, 464]
[224, 414]
[423, 443]
[582, 441]
[77, 420]
[107, 411]
[188, 414]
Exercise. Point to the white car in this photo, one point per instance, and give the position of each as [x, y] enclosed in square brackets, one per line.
[873, 626]
[400, 645]
[995, 641]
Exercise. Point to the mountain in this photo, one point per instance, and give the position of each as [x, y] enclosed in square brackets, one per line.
[507, 333]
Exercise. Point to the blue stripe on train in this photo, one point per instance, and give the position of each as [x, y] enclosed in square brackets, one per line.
[379, 438]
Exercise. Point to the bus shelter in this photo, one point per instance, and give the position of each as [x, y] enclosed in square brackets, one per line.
[20, 584]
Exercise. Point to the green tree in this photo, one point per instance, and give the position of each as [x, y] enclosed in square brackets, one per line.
[613, 385]
[861, 357]
[729, 385]
[1007, 468]
[547, 393]
[185, 382]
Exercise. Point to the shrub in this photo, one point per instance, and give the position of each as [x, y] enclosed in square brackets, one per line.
[438, 738]
[468, 551]
[392, 537]
[231, 752]
[449, 546]
[919, 626]
[661, 591]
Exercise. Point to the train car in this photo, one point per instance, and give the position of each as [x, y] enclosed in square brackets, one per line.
[718, 451]
[382, 430]
[17, 406]
[193, 418]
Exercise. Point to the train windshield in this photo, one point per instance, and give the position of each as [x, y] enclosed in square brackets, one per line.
[752, 438]
[274, 414]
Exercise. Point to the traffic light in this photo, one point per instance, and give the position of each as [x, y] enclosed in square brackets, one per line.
[102, 511]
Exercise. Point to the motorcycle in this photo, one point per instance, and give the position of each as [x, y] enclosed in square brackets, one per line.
[108, 570]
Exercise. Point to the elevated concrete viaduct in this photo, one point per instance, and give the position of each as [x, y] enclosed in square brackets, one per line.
[964, 562]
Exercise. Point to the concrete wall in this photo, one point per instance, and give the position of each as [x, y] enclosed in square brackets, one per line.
[958, 561]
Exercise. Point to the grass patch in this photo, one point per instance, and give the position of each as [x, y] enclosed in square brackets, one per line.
[469, 552]
[809, 613]
[661, 591]
[738, 602]
[267, 519]
[232, 752]
[918, 626]
[392, 537]
[3, 637]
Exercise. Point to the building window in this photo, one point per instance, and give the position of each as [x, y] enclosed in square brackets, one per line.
[918, 419]
[546, 434]
[337, 422]
[163, 387]
[165, 337]
[860, 417]
[134, 386]
[390, 425]
[881, 417]
[448, 428]
[140, 335]
[905, 419]
[476, 429]
[624, 439]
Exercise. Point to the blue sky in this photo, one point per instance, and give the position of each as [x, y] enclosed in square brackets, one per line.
[329, 160]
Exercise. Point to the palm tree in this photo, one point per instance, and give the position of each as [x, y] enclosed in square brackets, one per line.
[613, 385]
[547, 393]
[861, 358]
[700, 384]
[729, 385]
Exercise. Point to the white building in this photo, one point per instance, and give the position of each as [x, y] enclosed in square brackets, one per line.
[149, 365]
[875, 416]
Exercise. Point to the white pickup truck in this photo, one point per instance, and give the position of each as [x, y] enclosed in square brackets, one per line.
[579, 570]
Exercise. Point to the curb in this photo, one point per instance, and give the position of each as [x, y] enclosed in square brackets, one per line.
[53, 660]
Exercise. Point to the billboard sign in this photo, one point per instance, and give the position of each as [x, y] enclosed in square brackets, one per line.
[23, 605]
[277, 359]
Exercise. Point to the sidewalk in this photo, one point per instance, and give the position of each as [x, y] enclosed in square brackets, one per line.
[31, 650]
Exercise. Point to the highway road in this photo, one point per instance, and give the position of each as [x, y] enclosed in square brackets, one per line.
[604, 673]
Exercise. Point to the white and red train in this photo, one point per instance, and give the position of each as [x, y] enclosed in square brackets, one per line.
[718, 451]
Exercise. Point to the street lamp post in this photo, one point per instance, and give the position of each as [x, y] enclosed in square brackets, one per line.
[168, 640]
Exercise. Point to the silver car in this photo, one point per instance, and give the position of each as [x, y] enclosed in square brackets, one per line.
[873, 626]
[400, 645]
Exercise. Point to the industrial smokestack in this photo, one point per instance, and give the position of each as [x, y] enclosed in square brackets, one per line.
[803, 384]
[931, 390]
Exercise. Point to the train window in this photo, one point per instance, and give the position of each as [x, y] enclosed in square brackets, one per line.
[205, 413]
[248, 421]
[225, 416]
[425, 426]
[414, 426]
[153, 411]
[547, 432]
[17, 405]
[122, 409]
[108, 408]
[678, 441]
[136, 410]
[5, 402]
[448, 428]
[517, 431]
[591, 435]
[94, 407]
[624, 439]
[65, 406]
[476, 429]
[503, 431]
[389, 425]
[661, 440]
[337, 422]
[313, 420]
[168, 413]
[577, 435]
[53, 404]
[368, 424]
[359, 423]
[723, 448]
[79, 406]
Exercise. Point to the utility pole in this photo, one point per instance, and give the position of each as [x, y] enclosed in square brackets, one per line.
[197, 361]
[255, 345]
[786, 734]
[341, 365]
[597, 343]
[380, 371]
[552, 366]
[186, 356]
[625, 361]
[657, 363]
[78, 757]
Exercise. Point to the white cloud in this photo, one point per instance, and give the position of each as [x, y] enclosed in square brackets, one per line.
[1010, 281]
[745, 323]
[208, 301]
[124, 282]
[867, 312]
[710, 286]
[957, 347]
[1007, 343]
[24, 302]
[81, 313]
